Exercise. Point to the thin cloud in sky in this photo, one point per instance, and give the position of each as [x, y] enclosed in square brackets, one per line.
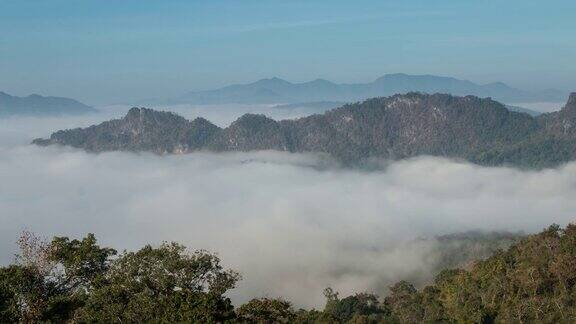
[323, 22]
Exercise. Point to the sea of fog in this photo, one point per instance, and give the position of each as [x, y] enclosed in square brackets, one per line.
[292, 224]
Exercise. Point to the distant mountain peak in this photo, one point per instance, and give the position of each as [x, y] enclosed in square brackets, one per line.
[498, 86]
[273, 80]
[38, 105]
[396, 75]
[498, 83]
[404, 76]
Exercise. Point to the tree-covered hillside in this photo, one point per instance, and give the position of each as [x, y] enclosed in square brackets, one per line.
[533, 281]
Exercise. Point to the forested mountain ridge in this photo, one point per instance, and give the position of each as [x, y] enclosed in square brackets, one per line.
[478, 130]
[36, 105]
[533, 281]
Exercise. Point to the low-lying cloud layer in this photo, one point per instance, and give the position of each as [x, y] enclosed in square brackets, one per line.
[292, 224]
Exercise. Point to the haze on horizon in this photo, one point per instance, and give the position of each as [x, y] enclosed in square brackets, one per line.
[106, 51]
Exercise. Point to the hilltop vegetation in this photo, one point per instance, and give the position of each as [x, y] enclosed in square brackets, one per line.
[79, 281]
[478, 130]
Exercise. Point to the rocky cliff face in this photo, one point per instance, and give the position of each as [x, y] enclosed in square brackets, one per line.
[562, 123]
[482, 131]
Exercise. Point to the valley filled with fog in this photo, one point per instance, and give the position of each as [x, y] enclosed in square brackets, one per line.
[292, 224]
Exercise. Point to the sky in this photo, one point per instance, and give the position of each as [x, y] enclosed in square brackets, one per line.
[110, 51]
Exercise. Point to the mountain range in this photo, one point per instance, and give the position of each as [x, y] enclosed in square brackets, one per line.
[481, 131]
[36, 105]
[278, 91]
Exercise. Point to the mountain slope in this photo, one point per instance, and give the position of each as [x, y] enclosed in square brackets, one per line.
[482, 131]
[36, 105]
[533, 281]
[276, 90]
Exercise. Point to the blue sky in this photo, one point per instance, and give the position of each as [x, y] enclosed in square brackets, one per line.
[103, 51]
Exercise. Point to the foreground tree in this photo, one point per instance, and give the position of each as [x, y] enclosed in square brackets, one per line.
[266, 310]
[357, 308]
[77, 280]
[50, 280]
[162, 284]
